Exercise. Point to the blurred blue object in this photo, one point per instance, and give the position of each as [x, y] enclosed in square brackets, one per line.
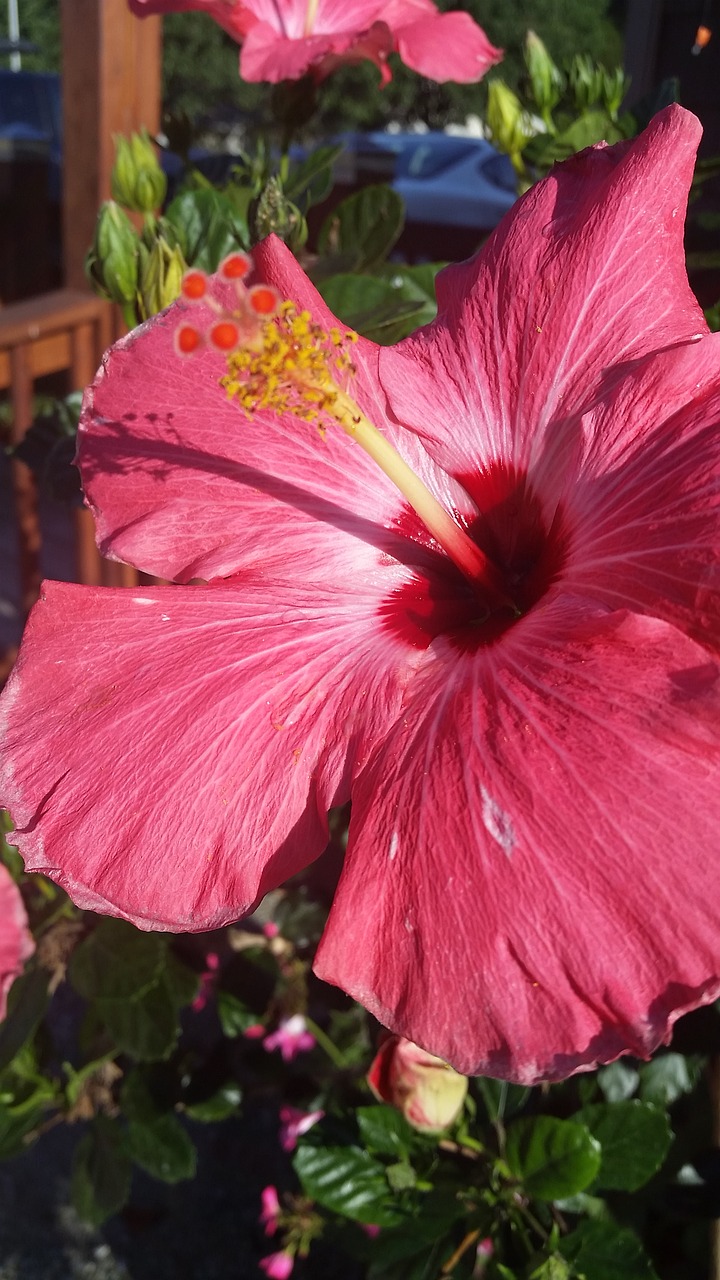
[31, 120]
[445, 180]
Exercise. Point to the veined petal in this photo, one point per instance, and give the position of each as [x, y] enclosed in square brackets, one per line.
[531, 883]
[16, 941]
[584, 275]
[328, 16]
[267, 56]
[644, 506]
[168, 756]
[184, 485]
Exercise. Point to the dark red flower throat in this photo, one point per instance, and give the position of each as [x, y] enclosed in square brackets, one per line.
[528, 551]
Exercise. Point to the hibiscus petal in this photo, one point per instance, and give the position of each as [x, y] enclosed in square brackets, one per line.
[177, 751]
[448, 46]
[644, 507]
[585, 274]
[16, 942]
[267, 56]
[184, 485]
[235, 18]
[530, 887]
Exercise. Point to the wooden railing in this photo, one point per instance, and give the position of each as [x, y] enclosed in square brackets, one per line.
[66, 331]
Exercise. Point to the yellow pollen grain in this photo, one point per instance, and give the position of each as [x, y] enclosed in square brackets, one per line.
[293, 368]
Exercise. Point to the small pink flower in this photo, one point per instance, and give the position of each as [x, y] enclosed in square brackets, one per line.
[371, 1229]
[271, 930]
[208, 978]
[483, 1254]
[254, 1032]
[293, 1123]
[290, 1038]
[278, 1265]
[270, 1211]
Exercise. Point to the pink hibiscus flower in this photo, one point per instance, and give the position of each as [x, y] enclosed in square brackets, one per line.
[287, 39]
[529, 886]
[16, 942]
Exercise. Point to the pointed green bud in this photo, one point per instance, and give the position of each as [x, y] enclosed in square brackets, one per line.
[275, 213]
[111, 261]
[508, 122]
[546, 79]
[160, 276]
[585, 81]
[614, 86]
[137, 180]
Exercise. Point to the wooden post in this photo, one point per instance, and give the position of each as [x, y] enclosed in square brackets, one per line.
[111, 84]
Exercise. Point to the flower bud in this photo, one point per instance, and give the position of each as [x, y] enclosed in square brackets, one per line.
[508, 121]
[586, 82]
[429, 1093]
[160, 276]
[137, 180]
[274, 213]
[111, 263]
[546, 79]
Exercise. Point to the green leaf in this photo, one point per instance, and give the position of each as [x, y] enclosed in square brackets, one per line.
[27, 1005]
[235, 1017]
[401, 1176]
[552, 1158]
[603, 1251]
[635, 1138]
[147, 1027]
[210, 225]
[619, 1081]
[363, 228]
[310, 182]
[101, 1172]
[17, 1120]
[667, 1078]
[553, 1268]
[116, 962]
[384, 1130]
[162, 1147]
[183, 983]
[349, 1181]
[225, 1102]
[433, 1221]
[502, 1100]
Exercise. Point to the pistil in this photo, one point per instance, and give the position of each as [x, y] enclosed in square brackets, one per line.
[310, 15]
[455, 542]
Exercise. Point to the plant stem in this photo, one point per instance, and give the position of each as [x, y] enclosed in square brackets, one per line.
[325, 1043]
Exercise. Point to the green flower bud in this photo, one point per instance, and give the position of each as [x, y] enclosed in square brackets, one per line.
[508, 122]
[111, 263]
[160, 276]
[137, 180]
[586, 82]
[614, 86]
[275, 213]
[546, 79]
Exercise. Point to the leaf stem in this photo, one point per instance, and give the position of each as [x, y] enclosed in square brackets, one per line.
[326, 1044]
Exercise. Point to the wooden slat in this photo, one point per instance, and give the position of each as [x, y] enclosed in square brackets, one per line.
[111, 82]
[23, 482]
